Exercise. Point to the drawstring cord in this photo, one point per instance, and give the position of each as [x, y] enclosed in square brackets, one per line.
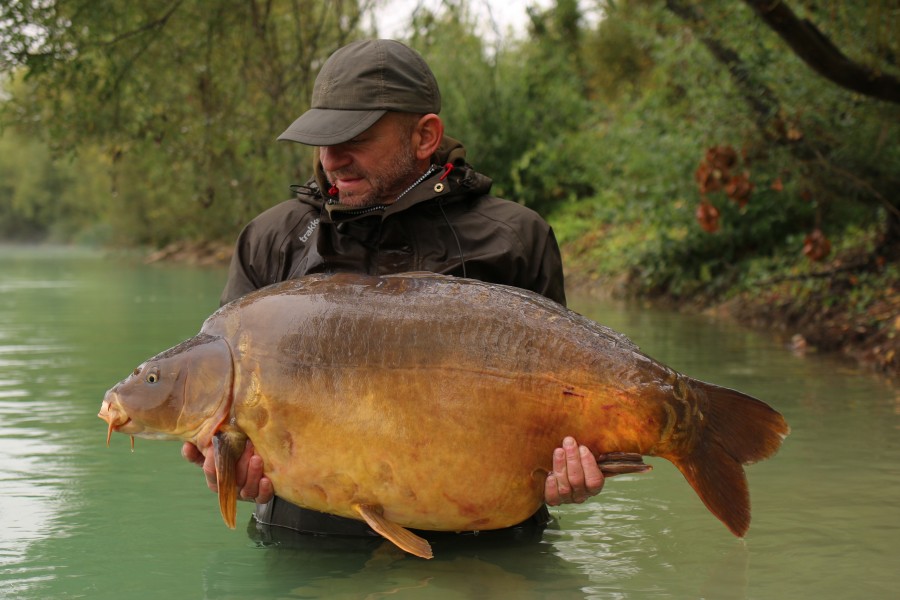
[462, 258]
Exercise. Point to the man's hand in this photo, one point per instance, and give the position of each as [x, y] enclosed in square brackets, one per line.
[575, 476]
[252, 485]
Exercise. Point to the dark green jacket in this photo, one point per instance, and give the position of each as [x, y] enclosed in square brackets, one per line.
[447, 224]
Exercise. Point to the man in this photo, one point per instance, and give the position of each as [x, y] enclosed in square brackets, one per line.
[391, 193]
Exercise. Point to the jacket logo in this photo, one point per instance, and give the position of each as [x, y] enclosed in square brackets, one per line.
[309, 230]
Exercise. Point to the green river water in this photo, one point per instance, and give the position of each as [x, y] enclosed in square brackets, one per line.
[80, 520]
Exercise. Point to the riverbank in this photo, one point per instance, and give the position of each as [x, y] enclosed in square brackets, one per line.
[848, 305]
[853, 312]
[198, 254]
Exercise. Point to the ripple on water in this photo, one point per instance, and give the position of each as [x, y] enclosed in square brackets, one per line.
[34, 474]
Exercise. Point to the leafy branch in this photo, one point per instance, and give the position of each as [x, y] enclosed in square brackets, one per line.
[820, 53]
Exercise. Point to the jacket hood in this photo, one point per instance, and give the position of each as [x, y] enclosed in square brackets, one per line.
[452, 180]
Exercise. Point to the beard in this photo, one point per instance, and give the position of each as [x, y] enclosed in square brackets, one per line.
[385, 182]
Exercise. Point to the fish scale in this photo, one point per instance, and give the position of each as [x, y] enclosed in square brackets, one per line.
[429, 402]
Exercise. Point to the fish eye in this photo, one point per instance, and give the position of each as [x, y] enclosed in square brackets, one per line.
[152, 377]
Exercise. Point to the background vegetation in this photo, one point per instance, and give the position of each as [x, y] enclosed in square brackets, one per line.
[681, 149]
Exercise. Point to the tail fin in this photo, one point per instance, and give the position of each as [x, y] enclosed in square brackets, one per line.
[736, 430]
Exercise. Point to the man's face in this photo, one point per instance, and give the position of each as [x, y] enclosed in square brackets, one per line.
[376, 166]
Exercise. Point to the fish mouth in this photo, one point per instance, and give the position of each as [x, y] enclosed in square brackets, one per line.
[113, 413]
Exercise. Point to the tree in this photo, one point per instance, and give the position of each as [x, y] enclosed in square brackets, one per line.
[46, 198]
[510, 102]
[821, 158]
[185, 97]
[820, 53]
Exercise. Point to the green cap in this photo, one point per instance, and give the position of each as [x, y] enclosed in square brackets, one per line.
[357, 85]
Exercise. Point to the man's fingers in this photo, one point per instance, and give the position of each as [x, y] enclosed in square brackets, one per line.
[574, 470]
[593, 476]
[575, 476]
[256, 487]
[242, 469]
[561, 476]
[250, 489]
[207, 461]
[251, 483]
[266, 491]
[209, 469]
[559, 461]
[551, 491]
[191, 453]
[557, 489]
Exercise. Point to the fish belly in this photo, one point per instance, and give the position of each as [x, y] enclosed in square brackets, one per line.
[437, 449]
[439, 401]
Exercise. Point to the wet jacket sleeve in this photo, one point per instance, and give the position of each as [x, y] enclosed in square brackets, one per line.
[263, 253]
[242, 277]
[255, 259]
[548, 277]
[534, 255]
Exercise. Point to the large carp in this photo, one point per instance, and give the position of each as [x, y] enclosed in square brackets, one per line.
[431, 402]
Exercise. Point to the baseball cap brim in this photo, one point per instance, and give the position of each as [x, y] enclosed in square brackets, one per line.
[327, 127]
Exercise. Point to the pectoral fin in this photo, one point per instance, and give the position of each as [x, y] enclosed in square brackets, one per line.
[402, 537]
[228, 447]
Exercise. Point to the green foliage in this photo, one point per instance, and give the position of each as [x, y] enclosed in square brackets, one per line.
[502, 101]
[185, 99]
[480, 89]
[617, 57]
[833, 153]
[600, 126]
[47, 198]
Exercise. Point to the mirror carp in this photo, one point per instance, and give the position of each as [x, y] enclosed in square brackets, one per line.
[422, 401]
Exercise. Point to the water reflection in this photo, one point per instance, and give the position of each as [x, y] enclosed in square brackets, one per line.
[60, 337]
[34, 392]
[80, 520]
[345, 568]
[598, 550]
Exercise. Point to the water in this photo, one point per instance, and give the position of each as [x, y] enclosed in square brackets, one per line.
[79, 520]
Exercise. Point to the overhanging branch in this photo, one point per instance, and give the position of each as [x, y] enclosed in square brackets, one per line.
[817, 51]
